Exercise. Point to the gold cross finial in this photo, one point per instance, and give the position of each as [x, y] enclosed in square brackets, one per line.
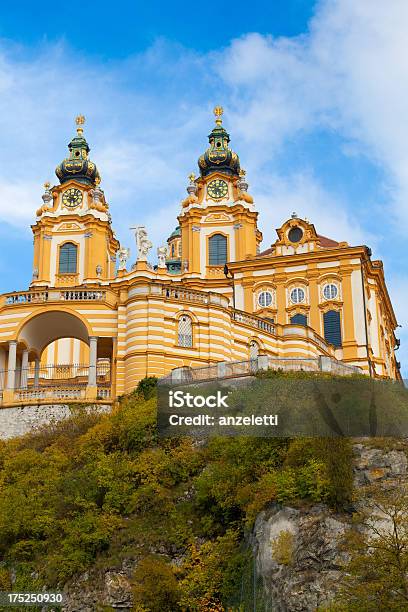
[192, 177]
[218, 112]
[80, 120]
[47, 185]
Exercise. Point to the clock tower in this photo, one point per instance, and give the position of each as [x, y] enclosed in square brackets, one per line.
[218, 220]
[74, 243]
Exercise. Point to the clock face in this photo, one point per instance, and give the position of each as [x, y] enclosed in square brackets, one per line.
[217, 189]
[72, 198]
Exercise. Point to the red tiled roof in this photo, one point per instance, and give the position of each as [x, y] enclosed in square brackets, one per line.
[323, 242]
[327, 242]
[267, 252]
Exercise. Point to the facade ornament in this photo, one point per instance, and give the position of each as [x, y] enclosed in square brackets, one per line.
[35, 273]
[98, 270]
[192, 190]
[123, 256]
[192, 187]
[294, 215]
[242, 188]
[143, 244]
[242, 184]
[162, 252]
[185, 265]
[46, 196]
[98, 202]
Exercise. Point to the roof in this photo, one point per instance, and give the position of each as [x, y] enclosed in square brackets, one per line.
[323, 242]
[327, 242]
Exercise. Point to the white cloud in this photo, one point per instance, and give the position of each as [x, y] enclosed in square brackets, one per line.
[301, 193]
[347, 74]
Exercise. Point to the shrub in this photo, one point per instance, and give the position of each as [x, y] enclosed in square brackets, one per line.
[155, 586]
[147, 387]
[282, 548]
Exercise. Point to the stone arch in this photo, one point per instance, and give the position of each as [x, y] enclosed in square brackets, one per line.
[45, 327]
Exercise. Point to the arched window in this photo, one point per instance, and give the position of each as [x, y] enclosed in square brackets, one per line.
[217, 247]
[185, 331]
[253, 350]
[332, 327]
[299, 319]
[68, 258]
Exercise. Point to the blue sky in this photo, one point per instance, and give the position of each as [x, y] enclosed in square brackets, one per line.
[315, 97]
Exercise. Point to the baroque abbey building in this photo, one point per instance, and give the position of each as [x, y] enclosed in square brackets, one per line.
[91, 325]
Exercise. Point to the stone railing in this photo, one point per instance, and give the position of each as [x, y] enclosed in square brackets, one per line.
[253, 321]
[178, 294]
[237, 369]
[53, 394]
[57, 295]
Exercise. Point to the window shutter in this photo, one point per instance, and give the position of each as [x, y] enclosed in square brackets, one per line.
[217, 245]
[332, 327]
[68, 258]
[299, 319]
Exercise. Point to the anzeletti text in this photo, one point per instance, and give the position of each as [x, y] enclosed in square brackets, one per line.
[179, 399]
[201, 420]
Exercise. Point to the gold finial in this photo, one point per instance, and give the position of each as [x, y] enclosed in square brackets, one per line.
[242, 173]
[80, 120]
[218, 112]
[47, 185]
[192, 177]
[97, 180]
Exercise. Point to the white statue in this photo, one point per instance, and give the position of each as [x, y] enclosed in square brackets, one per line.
[123, 255]
[143, 244]
[161, 256]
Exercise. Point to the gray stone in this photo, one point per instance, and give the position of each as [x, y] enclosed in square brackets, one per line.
[18, 421]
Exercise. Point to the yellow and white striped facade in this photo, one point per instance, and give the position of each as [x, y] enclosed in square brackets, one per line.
[134, 318]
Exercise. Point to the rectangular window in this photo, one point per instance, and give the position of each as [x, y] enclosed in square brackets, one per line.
[332, 327]
[68, 259]
[217, 246]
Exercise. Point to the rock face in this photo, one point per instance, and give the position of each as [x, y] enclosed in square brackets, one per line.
[298, 552]
[305, 573]
[373, 465]
[96, 590]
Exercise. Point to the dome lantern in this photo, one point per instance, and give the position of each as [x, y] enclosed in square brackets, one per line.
[77, 166]
[219, 156]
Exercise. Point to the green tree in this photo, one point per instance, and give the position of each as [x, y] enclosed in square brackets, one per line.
[377, 573]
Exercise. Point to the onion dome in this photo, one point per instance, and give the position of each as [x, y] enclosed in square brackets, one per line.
[219, 156]
[175, 234]
[77, 166]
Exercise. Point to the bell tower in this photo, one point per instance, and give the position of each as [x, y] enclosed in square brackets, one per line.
[218, 220]
[74, 243]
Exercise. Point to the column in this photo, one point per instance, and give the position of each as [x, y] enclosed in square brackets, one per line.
[11, 368]
[93, 348]
[24, 370]
[36, 372]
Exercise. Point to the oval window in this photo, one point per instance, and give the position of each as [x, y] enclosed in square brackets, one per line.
[330, 291]
[297, 295]
[295, 234]
[265, 299]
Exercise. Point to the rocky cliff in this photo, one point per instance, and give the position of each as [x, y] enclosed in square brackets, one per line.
[298, 550]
